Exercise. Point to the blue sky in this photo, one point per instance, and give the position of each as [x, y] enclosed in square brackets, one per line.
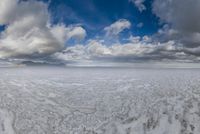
[94, 15]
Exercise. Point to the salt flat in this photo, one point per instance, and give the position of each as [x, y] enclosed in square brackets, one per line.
[58, 100]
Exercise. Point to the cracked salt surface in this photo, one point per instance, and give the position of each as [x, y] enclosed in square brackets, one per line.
[42, 100]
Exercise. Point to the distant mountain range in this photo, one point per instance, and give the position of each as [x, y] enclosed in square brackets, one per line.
[33, 63]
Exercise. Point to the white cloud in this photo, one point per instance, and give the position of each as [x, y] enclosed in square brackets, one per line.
[137, 49]
[77, 33]
[139, 4]
[83, 52]
[63, 33]
[29, 32]
[74, 53]
[7, 8]
[183, 15]
[183, 19]
[117, 27]
[137, 39]
[134, 39]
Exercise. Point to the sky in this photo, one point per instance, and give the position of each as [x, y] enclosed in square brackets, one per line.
[99, 31]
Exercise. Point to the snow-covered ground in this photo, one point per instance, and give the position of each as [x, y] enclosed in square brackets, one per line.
[41, 100]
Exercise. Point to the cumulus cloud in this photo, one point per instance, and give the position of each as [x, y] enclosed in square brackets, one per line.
[117, 27]
[28, 30]
[77, 33]
[137, 49]
[182, 20]
[63, 33]
[7, 8]
[139, 4]
[183, 15]
[94, 49]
